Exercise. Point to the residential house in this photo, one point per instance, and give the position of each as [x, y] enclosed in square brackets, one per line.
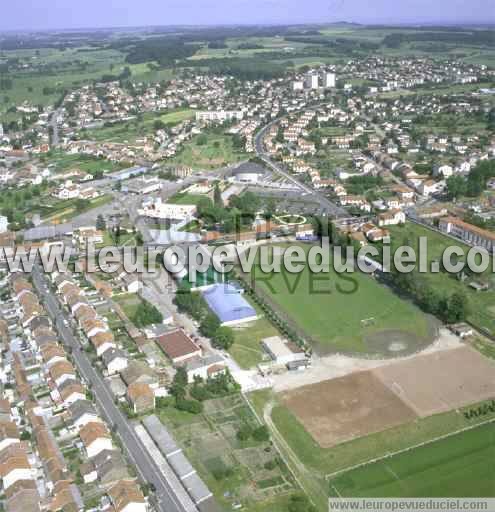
[391, 218]
[141, 397]
[469, 233]
[127, 497]
[115, 360]
[96, 438]
[82, 412]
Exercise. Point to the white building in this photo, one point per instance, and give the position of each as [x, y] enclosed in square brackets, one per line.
[329, 80]
[15, 471]
[281, 351]
[219, 116]
[4, 224]
[391, 218]
[159, 210]
[312, 81]
[297, 85]
[443, 170]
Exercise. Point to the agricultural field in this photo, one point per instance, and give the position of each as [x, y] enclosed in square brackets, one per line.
[339, 410]
[314, 465]
[346, 312]
[208, 151]
[246, 472]
[50, 72]
[458, 466]
[481, 304]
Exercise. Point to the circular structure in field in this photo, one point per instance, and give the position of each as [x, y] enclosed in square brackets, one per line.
[397, 343]
[292, 220]
[397, 346]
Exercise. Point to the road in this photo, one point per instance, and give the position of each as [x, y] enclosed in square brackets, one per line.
[54, 124]
[166, 500]
[331, 209]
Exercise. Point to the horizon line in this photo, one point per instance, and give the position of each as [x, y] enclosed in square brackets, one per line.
[431, 23]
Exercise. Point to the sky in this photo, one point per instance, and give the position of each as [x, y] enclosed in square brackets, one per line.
[50, 14]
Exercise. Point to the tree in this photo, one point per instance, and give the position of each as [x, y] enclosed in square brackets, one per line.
[217, 196]
[456, 186]
[146, 314]
[223, 338]
[209, 325]
[261, 434]
[244, 433]
[456, 307]
[300, 503]
[192, 406]
[100, 223]
[178, 387]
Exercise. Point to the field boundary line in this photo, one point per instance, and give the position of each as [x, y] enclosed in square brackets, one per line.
[409, 448]
[276, 442]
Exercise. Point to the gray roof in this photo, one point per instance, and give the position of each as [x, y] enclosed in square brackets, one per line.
[109, 355]
[46, 338]
[249, 168]
[138, 371]
[209, 505]
[110, 466]
[81, 407]
[128, 173]
[200, 362]
[39, 321]
[181, 466]
[68, 382]
[44, 232]
[160, 435]
[196, 488]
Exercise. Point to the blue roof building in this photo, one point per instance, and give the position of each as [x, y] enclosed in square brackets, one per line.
[228, 304]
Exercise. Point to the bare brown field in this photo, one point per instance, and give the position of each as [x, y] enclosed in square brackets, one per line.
[338, 410]
[442, 381]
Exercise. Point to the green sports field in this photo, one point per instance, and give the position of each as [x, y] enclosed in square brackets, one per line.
[459, 466]
[347, 313]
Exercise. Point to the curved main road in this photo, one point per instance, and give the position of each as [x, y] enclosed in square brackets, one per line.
[330, 208]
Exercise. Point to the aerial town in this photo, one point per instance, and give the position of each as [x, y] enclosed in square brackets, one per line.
[180, 391]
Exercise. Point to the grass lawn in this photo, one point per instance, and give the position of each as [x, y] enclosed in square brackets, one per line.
[459, 466]
[140, 127]
[481, 304]
[177, 116]
[217, 151]
[246, 349]
[330, 307]
[126, 239]
[129, 302]
[64, 210]
[63, 162]
[185, 199]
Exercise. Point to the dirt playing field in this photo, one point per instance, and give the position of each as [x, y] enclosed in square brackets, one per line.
[439, 382]
[338, 410]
